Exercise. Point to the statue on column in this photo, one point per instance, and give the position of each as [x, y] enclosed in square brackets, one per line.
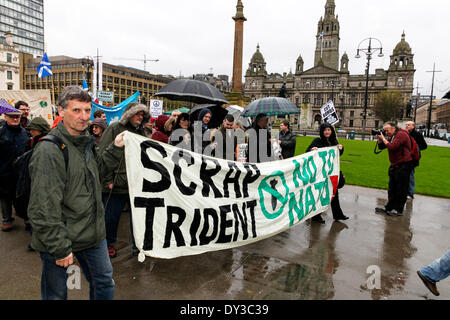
[283, 91]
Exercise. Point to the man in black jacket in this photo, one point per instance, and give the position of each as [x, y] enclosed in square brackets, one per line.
[287, 140]
[421, 143]
[13, 139]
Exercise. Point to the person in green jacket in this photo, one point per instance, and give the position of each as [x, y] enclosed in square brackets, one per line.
[115, 191]
[65, 208]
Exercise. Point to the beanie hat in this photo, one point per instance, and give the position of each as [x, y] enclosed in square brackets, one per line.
[39, 124]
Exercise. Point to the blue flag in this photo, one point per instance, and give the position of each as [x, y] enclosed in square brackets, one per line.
[45, 68]
[114, 114]
[85, 86]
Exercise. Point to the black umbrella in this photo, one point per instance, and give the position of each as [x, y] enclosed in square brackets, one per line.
[218, 114]
[192, 91]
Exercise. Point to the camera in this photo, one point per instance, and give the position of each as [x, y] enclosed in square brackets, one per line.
[377, 132]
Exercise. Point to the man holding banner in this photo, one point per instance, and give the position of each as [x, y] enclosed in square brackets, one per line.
[115, 192]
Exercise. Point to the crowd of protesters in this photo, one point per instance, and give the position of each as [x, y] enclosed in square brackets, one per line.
[75, 211]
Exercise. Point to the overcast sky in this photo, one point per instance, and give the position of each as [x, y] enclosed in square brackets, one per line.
[197, 36]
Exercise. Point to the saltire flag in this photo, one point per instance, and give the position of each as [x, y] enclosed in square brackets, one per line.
[45, 68]
[321, 36]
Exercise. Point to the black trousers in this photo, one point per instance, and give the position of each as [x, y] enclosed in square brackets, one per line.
[398, 186]
[335, 208]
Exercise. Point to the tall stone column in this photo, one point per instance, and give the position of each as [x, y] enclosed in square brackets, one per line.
[238, 47]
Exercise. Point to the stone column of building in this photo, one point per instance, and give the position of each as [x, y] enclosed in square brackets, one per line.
[238, 47]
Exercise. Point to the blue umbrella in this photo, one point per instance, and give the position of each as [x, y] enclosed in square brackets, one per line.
[5, 107]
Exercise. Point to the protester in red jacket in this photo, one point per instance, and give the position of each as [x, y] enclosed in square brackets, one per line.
[160, 134]
[398, 144]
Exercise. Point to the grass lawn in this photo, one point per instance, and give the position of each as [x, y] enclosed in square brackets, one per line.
[362, 167]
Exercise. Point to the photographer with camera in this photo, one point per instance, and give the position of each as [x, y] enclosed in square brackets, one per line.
[398, 143]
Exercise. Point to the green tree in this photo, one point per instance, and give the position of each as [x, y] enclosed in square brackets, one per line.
[388, 104]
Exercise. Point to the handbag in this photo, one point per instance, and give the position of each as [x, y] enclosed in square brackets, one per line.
[341, 183]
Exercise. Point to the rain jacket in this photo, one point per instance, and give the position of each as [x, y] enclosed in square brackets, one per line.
[399, 148]
[13, 141]
[66, 209]
[288, 144]
[119, 176]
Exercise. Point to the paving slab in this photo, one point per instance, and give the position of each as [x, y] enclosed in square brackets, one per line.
[309, 262]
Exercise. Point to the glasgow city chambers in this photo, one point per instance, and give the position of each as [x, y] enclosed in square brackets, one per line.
[330, 79]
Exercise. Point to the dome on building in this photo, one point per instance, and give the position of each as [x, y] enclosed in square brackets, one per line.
[402, 47]
[257, 56]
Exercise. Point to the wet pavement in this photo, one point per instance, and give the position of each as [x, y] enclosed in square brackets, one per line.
[336, 261]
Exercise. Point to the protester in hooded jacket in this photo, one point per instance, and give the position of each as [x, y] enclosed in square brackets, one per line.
[204, 117]
[97, 128]
[38, 129]
[160, 133]
[115, 192]
[13, 141]
[328, 139]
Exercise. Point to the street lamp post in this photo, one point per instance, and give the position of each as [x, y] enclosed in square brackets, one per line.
[368, 51]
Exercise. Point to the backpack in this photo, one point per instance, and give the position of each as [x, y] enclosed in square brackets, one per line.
[23, 186]
[415, 153]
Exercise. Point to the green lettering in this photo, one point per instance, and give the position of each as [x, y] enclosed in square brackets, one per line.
[297, 206]
[332, 155]
[323, 196]
[297, 173]
[313, 176]
[323, 155]
[309, 201]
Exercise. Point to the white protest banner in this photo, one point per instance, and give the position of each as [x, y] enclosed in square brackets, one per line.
[156, 108]
[39, 101]
[185, 203]
[329, 114]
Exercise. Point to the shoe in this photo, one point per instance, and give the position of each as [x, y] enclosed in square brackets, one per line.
[430, 285]
[411, 197]
[380, 210]
[394, 213]
[112, 252]
[7, 227]
[318, 218]
[343, 218]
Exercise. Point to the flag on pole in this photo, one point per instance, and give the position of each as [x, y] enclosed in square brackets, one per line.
[85, 85]
[45, 68]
